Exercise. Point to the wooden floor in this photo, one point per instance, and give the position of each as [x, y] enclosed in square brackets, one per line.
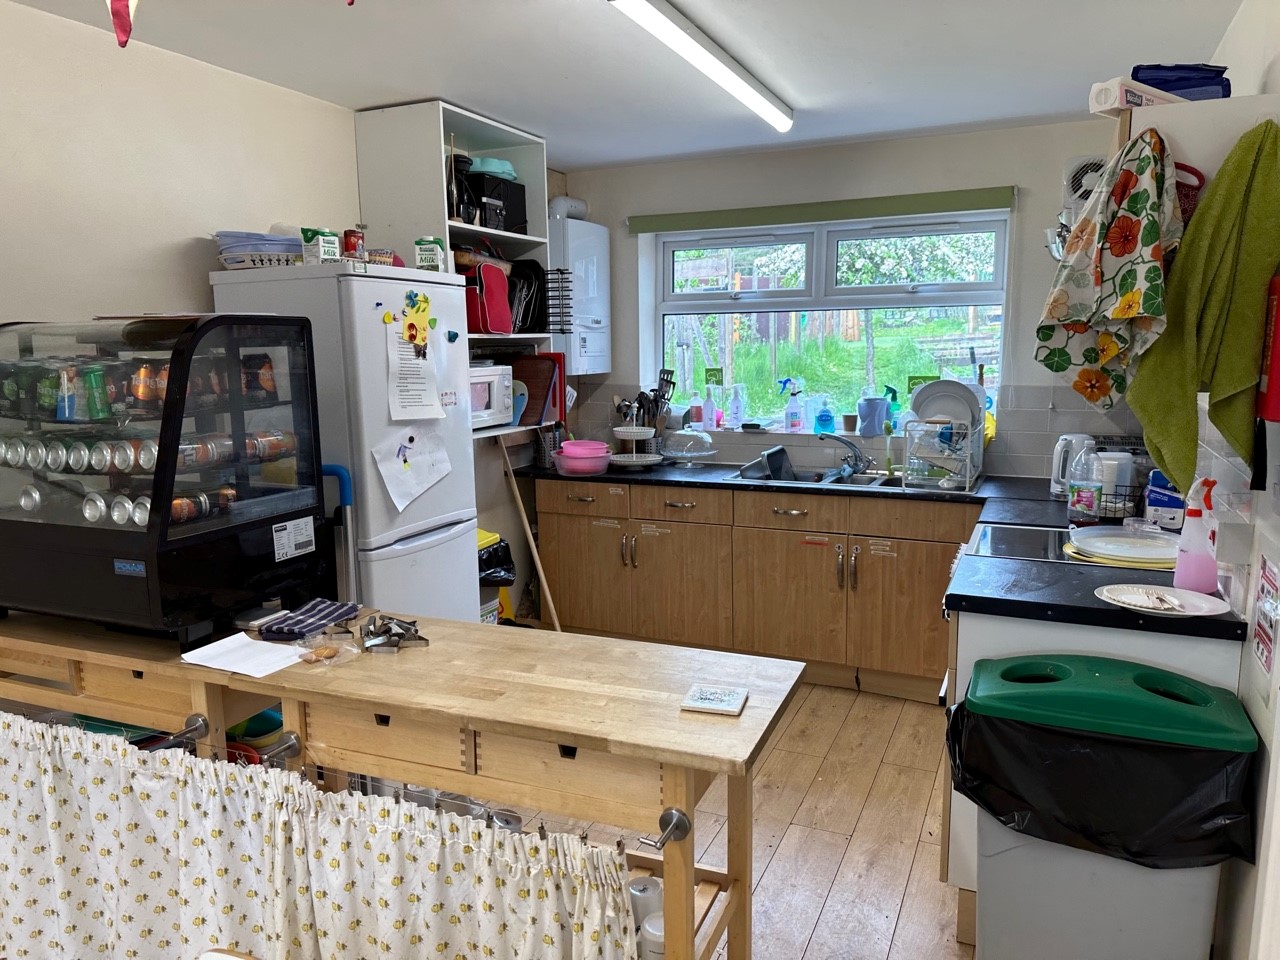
[848, 820]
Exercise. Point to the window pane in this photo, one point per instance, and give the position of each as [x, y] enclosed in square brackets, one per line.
[936, 258]
[775, 266]
[835, 352]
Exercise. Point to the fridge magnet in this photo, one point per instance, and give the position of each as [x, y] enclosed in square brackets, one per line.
[388, 318]
[705, 698]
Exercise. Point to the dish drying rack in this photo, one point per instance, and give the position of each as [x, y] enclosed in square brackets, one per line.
[944, 455]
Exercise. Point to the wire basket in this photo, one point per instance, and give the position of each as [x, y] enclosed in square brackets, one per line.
[1124, 501]
[545, 443]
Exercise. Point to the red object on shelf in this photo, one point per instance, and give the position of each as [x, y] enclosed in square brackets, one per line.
[1269, 383]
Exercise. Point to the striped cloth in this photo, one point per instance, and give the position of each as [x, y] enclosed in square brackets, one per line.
[308, 619]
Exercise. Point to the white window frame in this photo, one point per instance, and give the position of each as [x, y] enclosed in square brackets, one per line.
[721, 238]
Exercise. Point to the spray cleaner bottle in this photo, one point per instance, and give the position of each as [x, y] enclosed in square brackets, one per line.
[1197, 565]
[793, 417]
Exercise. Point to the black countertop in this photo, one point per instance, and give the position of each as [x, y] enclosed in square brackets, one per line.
[1063, 592]
[1025, 513]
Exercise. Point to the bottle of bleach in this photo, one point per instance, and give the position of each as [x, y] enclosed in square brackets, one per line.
[1197, 565]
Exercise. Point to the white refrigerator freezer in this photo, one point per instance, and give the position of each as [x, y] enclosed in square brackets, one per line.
[422, 559]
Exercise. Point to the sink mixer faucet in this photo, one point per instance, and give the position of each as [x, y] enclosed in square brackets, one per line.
[855, 459]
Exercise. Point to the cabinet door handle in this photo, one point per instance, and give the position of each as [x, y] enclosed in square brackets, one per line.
[624, 549]
[576, 499]
[840, 565]
[790, 513]
[681, 506]
[633, 553]
[853, 567]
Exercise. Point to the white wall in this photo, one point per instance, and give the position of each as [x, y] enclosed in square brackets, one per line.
[1030, 157]
[1251, 49]
[116, 165]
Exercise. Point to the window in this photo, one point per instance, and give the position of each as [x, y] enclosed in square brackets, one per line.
[841, 306]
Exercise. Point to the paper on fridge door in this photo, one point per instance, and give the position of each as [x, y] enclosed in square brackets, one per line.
[412, 461]
[412, 383]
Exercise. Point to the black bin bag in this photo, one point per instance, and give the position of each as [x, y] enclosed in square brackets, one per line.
[497, 568]
[1160, 805]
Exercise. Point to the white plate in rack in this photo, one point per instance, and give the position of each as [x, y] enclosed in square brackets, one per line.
[947, 400]
[634, 461]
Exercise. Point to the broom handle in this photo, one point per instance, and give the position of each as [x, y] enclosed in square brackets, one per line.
[528, 533]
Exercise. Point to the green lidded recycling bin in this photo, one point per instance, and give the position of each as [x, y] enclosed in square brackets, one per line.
[1112, 786]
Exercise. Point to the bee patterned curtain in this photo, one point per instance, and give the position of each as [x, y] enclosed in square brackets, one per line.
[107, 851]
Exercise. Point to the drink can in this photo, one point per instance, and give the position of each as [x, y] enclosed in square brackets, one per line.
[27, 373]
[48, 383]
[257, 377]
[93, 508]
[15, 452]
[202, 385]
[29, 498]
[65, 401]
[142, 387]
[121, 509]
[36, 454]
[148, 453]
[78, 456]
[221, 448]
[275, 444]
[192, 453]
[141, 512]
[221, 498]
[160, 384]
[100, 455]
[119, 378]
[55, 458]
[8, 386]
[97, 403]
[250, 448]
[192, 506]
[124, 455]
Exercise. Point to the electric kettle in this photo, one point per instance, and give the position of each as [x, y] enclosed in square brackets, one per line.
[1064, 452]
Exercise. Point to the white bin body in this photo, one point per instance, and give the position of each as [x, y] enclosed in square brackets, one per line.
[1044, 901]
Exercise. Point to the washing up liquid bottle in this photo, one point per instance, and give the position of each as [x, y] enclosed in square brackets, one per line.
[894, 406]
[1084, 487]
[1197, 565]
[825, 420]
[737, 411]
[793, 417]
[709, 412]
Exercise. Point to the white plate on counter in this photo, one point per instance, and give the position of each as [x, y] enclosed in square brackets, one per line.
[1116, 543]
[634, 461]
[947, 400]
[1162, 601]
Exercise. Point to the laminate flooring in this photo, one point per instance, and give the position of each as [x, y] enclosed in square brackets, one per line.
[848, 822]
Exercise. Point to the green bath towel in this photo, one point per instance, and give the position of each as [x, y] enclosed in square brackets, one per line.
[1217, 301]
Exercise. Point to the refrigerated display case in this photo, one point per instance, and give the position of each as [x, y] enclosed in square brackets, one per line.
[160, 472]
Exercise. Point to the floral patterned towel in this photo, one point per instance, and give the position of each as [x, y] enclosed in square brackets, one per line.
[1107, 302]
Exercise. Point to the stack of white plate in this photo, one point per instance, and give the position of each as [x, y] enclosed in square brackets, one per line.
[1117, 544]
[947, 400]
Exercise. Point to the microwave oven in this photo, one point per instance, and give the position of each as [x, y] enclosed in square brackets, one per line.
[491, 404]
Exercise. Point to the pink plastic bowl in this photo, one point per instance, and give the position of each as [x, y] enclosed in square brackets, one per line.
[580, 466]
[584, 448]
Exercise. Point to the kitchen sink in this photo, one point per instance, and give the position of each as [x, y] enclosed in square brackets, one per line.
[828, 477]
[863, 480]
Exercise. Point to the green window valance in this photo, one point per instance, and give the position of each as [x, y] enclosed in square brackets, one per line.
[865, 208]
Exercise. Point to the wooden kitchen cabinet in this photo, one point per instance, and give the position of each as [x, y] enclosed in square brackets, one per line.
[587, 562]
[895, 605]
[682, 583]
[789, 593]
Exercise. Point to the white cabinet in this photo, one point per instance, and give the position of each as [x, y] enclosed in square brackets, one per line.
[402, 156]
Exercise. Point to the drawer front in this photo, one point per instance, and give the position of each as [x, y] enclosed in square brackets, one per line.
[168, 695]
[364, 730]
[905, 519]
[20, 664]
[791, 511]
[583, 499]
[682, 504]
[580, 773]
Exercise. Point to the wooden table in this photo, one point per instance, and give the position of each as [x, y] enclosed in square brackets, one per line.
[589, 727]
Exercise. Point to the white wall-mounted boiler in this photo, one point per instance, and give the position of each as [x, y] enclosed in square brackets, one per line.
[581, 329]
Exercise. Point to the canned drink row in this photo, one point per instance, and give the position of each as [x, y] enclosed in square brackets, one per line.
[73, 454]
[122, 510]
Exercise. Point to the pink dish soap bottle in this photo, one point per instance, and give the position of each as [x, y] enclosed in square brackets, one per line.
[1197, 565]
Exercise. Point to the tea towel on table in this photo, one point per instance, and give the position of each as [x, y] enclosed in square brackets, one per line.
[1217, 311]
[309, 619]
[1107, 302]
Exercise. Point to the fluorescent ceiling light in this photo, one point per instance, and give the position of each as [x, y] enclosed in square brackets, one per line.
[671, 27]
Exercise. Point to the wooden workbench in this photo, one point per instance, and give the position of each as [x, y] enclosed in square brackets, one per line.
[587, 726]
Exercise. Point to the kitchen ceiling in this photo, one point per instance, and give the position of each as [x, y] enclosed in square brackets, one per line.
[604, 92]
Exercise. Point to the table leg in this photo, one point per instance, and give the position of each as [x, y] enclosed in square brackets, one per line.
[739, 865]
[206, 699]
[294, 715]
[678, 878]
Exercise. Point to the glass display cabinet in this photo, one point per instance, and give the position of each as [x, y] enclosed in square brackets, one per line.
[160, 472]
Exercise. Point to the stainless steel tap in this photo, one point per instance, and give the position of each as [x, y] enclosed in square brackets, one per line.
[855, 460]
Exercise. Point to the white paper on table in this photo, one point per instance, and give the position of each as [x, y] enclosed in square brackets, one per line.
[412, 461]
[240, 653]
[412, 384]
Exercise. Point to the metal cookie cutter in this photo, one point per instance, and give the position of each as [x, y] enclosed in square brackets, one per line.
[384, 634]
